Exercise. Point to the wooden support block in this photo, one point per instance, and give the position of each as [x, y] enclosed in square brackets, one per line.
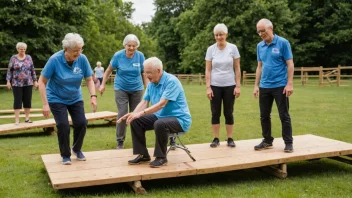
[279, 171]
[346, 160]
[137, 187]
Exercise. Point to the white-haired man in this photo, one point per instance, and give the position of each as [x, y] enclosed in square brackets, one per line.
[169, 113]
[274, 81]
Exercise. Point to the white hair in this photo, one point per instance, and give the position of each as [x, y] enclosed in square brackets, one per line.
[72, 40]
[155, 63]
[267, 23]
[21, 44]
[130, 37]
[220, 27]
[98, 63]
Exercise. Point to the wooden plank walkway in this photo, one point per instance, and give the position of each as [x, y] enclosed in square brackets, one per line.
[32, 115]
[110, 166]
[6, 128]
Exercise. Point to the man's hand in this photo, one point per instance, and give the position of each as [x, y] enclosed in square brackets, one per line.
[46, 111]
[256, 92]
[101, 89]
[288, 90]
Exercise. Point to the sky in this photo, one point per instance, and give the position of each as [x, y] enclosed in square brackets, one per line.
[144, 10]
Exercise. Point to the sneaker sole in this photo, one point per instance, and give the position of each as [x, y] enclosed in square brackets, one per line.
[142, 162]
[260, 149]
[66, 163]
[288, 151]
[158, 166]
[231, 146]
[214, 146]
[81, 159]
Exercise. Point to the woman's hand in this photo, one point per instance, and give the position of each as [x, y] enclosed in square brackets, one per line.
[210, 94]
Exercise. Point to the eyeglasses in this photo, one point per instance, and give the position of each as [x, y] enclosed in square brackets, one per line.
[77, 51]
[219, 35]
[261, 31]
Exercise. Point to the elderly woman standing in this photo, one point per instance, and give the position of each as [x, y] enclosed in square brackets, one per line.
[128, 82]
[60, 91]
[99, 72]
[223, 76]
[20, 78]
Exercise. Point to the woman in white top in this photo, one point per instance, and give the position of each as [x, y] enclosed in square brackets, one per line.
[223, 76]
[99, 72]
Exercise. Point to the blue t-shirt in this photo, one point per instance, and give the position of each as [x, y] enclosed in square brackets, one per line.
[128, 71]
[273, 58]
[170, 88]
[64, 85]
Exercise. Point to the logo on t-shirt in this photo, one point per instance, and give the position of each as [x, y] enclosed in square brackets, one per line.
[276, 51]
[77, 70]
[136, 64]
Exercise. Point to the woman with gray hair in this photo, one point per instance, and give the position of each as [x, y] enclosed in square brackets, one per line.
[20, 78]
[60, 91]
[223, 77]
[128, 82]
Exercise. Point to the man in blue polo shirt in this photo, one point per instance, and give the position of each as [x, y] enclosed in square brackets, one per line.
[274, 80]
[169, 113]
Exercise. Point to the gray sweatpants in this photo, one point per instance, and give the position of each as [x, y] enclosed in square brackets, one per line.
[125, 99]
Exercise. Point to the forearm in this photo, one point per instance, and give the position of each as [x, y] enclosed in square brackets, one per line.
[141, 106]
[107, 74]
[238, 72]
[90, 85]
[290, 72]
[258, 74]
[42, 90]
[156, 107]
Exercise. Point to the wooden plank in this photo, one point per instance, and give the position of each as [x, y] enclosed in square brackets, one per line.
[22, 116]
[33, 110]
[110, 166]
[6, 128]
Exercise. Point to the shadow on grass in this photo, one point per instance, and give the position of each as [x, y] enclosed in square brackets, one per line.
[297, 170]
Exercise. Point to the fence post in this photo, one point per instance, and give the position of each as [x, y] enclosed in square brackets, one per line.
[338, 75]
[200, 79]
[302, 78]
[244, 78]
[321, 79]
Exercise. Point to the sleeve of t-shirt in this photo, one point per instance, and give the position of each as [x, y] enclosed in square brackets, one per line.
[88, 70]
[258, 57]
[209, 55]
[287, 52]
[114, 61]
[171, 91]
[49, 68]
[235, 52]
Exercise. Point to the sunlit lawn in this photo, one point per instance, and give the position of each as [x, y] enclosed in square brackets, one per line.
[324, 111]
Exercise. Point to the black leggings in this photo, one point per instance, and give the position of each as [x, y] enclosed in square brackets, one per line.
[22, 94]
[222, 95]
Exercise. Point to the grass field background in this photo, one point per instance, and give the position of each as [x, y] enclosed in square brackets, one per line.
[323, 111]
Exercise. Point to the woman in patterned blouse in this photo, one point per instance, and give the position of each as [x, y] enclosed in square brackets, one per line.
[20, 78]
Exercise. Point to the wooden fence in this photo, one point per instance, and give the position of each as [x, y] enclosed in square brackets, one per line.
[313, 76]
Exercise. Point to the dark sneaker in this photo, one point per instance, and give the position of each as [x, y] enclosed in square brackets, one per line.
[66, 161]
[288, 148]
[139, 159]
[172, 143]
[230, 142]
[263, 145]
[120, 145]
[158, 162]
[28, 121]
[79, 155]
[215, 143]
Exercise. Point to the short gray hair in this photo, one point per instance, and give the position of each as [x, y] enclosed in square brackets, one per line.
[131, 37]
[267, 22]
[21, 44]
[220, 27]
[155, 62]
[72, 40]
[98, 63]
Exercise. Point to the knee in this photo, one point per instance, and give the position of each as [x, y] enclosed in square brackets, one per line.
[63, 126]
[80, 123]
[159, 126]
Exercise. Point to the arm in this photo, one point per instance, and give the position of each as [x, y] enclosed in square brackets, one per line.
[9, 76]
[258, 74]
[34, 76]
[42, 89]
[91, 88]
[288, 90]
[145, 80]
[208, 68]
[237, 67]
[142, 110]
[107, 73]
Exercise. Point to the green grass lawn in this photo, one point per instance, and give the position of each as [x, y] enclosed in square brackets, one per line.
[323, 111]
